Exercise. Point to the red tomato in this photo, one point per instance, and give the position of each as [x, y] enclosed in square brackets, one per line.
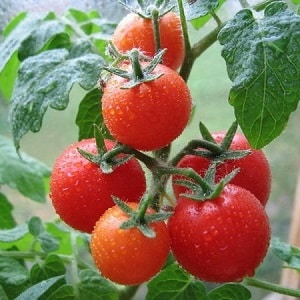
[148, 116]
[126, 256]
[220, 240]
[81, 192]
[254, 174]
[136, 32]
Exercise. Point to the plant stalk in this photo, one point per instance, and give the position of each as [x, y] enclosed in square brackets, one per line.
[272, 287]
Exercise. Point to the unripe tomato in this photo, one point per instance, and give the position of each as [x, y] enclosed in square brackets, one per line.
[136, 32]
[127, 256]
[254, 174]
[81, 192]
[150, 115]
[220, 240]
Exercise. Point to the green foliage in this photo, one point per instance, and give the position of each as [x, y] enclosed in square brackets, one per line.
[23, 172]
[43, 57]
[263, 62]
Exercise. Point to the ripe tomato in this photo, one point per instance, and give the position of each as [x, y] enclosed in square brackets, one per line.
[148, 116]
[220, 240]
[126, 256]
[136, 32]
[81, 192]
[254, 174]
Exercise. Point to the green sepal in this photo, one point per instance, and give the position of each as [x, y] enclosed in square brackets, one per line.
[144, 10]
[141, 224]
[138, 74]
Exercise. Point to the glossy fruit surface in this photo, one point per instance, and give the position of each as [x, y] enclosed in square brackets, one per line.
[220, 240]
[254, 174]
[136, 32]
[150, 115]
[126, 256]
[81, 192]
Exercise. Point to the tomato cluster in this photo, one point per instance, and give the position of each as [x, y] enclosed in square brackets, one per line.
[221, 237]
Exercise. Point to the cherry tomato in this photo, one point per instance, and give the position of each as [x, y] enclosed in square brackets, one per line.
[254, 174]
[127, 256]
[136, 32]
[148, 116]
[223, 239]
[81, 192]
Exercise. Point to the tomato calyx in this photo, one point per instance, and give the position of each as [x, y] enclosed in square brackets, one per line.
[106, 159]
[209, 148]
[146, 11]
[138, 73]
[140, 219]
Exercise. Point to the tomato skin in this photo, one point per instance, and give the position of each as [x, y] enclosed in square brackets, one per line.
[220, 240]
[148, 116]
[254, 174]
[136, 32]
[126, 256]
[81, 192]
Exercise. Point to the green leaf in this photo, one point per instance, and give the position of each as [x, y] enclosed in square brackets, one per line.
[27, 175]
[14, 234]
[93, 286]
[12, 272]
[3, 294]
[41, 288]
[7, 220]
[8, 76]
[18, 31]
[64, 292]
[13, 23]
[48, 242]
[174, 283]
[89, 113]
[35, 226]
[287, 253]
[263, 61]
[51, 267]
[230, 291]
[199, 8]
[49, 35]
[198, 12]
[46, 80]
[63, 234]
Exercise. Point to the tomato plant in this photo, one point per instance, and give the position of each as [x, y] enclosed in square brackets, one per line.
[135, 31]
[223, 239]
[254, 170]
[108, 220]
[116, 250]
[81, 192]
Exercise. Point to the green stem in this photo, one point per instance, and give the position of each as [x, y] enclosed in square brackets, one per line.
[137, 70]
[197, 49]
[191, 174]
[32, 255]
[193, 145]
[128, 292]
[188, 60]
[217, 19]
[244, 3]
[156, 29]
[271, 287]
[74, 266]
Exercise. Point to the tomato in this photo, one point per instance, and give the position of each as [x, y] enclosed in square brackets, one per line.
[136, 32]
[126, 256]
[220, 240]
[150, 115]
[254, 174]
[81, 192]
